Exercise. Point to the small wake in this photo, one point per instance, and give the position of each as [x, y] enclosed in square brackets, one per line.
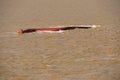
[8, 34]
[15, 34]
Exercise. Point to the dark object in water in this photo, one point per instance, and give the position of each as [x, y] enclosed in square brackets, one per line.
[21, 31]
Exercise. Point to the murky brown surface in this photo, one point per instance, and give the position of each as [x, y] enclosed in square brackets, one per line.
[80, 54]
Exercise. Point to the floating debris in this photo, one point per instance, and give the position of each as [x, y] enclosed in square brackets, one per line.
[55, 29]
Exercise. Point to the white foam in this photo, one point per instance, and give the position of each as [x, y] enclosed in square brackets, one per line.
[50, 31]
[94, 26]
[91, 26]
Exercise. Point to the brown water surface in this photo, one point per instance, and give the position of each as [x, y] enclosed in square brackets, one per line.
[79, 54]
